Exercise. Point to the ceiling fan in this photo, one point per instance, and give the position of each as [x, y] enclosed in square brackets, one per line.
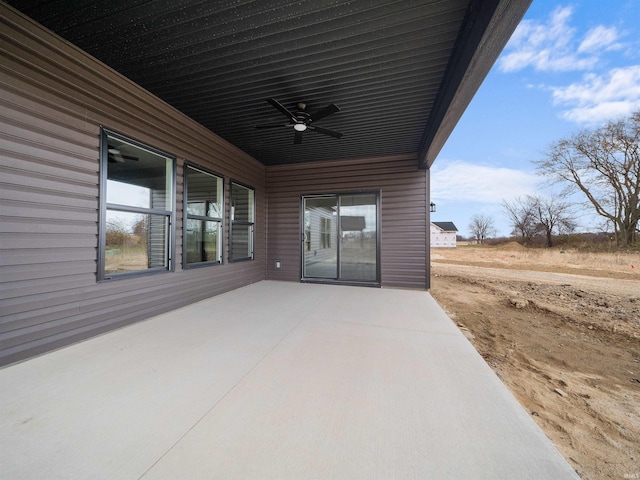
[301, 120]
[116, 155]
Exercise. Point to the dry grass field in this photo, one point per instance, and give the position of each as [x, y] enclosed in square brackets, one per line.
[126, 260]
[562, 330]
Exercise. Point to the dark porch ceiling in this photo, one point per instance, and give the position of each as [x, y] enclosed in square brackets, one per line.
[401, 71]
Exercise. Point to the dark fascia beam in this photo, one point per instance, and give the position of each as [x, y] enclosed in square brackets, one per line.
[487, 27]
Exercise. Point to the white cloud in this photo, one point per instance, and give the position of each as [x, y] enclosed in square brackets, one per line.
[598, 98]
[459, 181]
[552, 46]
[600, 38]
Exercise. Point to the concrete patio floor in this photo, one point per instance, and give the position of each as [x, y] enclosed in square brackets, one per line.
[273, 381]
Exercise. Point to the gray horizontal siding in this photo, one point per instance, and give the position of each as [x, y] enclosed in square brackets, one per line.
[403, 213]
[53, 100]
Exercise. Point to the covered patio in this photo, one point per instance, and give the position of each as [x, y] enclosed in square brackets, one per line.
[273, 380]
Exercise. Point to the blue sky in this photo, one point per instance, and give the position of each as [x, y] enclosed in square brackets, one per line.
[568, 66]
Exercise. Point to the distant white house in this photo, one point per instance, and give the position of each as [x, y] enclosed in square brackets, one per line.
[443, 235]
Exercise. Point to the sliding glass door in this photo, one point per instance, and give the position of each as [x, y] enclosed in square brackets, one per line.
[341, 238]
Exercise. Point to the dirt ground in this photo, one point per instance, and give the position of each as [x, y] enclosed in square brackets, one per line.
[562, 331]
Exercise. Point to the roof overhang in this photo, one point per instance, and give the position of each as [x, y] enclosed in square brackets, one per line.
[402, 72]
[486, 33]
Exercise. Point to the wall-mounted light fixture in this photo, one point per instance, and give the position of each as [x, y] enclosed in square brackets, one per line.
[432, 207]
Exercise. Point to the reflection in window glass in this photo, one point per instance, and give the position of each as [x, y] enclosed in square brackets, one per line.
[127, 194]
[203, 232]
[137, 177]
[241, 203]
[358, 242]
[135, 241]
[242, 222]
[321, 252]
[307, 230]
[203, 241]
[242, 244]
[325, 233]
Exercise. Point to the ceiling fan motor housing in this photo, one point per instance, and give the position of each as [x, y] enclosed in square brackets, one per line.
[303, 117]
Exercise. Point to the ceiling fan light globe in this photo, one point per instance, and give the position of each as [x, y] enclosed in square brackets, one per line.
[300, 127]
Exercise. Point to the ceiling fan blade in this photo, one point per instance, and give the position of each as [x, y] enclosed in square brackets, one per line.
[115, 156]
[281, 108]
[297, 139]
[119, 156]
[324, 112]
[326, 131]
[272, 125]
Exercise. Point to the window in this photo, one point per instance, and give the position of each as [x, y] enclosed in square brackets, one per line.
[307, 231]
[242, 222]
[203, 217]
[137, 205]
[325, 232]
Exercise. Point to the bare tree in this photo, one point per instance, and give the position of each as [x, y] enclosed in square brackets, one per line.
[481, 227]
[522, 215]
[604, 165]
[552, 214]
[535, 214]
[116, 233]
